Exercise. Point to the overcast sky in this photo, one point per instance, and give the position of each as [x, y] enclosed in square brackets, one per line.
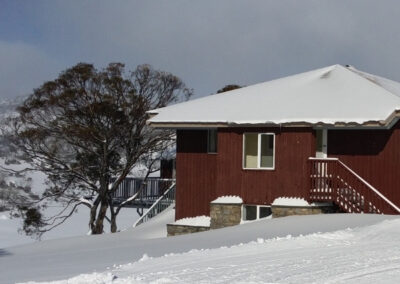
[207, 43]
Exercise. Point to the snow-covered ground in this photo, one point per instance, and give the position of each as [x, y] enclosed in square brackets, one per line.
[316, 248]
[324, 248]
[364, 255]
[199, 221]
[76, 225]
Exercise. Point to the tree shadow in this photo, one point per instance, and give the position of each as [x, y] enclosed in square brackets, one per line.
[3, 252]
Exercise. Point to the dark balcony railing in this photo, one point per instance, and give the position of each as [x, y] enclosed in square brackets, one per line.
[144, 191]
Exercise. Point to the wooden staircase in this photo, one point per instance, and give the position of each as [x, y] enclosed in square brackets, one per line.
[332, 181]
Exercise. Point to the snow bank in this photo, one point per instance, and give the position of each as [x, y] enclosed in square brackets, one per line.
[4, 217]
[156, 227]
[199, 221]
[210, 252]
[228, 199]
[76, 225]
[361, 255]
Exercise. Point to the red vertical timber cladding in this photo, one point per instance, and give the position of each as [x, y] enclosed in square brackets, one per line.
[202, 177]
[293, 147]
[373, 154]
[195, 174]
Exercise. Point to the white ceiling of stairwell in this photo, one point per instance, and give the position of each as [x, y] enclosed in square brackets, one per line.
[334, 94]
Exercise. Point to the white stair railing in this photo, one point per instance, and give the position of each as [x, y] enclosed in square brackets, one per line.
[160, 205]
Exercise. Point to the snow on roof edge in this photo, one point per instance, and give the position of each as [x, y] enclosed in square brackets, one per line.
[289, 122]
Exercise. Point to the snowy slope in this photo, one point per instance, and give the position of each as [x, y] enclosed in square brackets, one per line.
[367, 255]
[76, 225]
[60, 259]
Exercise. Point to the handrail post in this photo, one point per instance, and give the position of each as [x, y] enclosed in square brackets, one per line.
[335, 182]
[309, 179]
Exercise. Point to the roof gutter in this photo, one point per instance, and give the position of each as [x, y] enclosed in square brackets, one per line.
[372, 124]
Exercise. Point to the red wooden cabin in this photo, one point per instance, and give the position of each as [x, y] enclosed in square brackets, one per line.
[327, 135]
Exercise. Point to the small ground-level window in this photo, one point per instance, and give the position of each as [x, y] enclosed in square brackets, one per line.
[255, 212]
[212, 140]
[264, 211]
[250, 212]
[259, 151]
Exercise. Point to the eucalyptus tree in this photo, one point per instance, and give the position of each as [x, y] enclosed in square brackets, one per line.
[87, 129]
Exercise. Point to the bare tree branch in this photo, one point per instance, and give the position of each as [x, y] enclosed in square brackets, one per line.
[88, 127]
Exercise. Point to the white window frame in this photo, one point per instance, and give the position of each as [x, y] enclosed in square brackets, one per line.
[257, 211]
[258, 151]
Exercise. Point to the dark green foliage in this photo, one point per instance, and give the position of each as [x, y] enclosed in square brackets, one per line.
[229, 88]
[33, 221]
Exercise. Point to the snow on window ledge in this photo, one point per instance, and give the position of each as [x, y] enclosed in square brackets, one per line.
[228, 199]
[199, 221]
[296, 201]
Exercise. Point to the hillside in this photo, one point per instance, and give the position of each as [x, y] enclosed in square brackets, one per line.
[290, 249]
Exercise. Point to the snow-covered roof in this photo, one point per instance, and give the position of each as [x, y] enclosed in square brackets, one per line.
[334, 95]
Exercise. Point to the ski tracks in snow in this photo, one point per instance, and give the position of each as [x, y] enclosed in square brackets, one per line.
[364, 255]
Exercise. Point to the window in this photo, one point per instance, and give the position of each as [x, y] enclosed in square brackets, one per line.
[264, 211]
[322, 143]
[259, 151]
[255, 212]
[250, 212]
[319, 140]
[212, 140]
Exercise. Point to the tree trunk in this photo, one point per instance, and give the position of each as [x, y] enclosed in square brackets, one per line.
[113, 223]
[93, 211]
[92, 219]
[98, 226]
[114, 213]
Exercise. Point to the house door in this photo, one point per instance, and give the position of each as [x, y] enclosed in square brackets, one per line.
[322, 143]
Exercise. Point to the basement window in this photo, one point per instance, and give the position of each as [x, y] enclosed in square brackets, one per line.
[259, 151]
[255, 212]
[212, 140]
